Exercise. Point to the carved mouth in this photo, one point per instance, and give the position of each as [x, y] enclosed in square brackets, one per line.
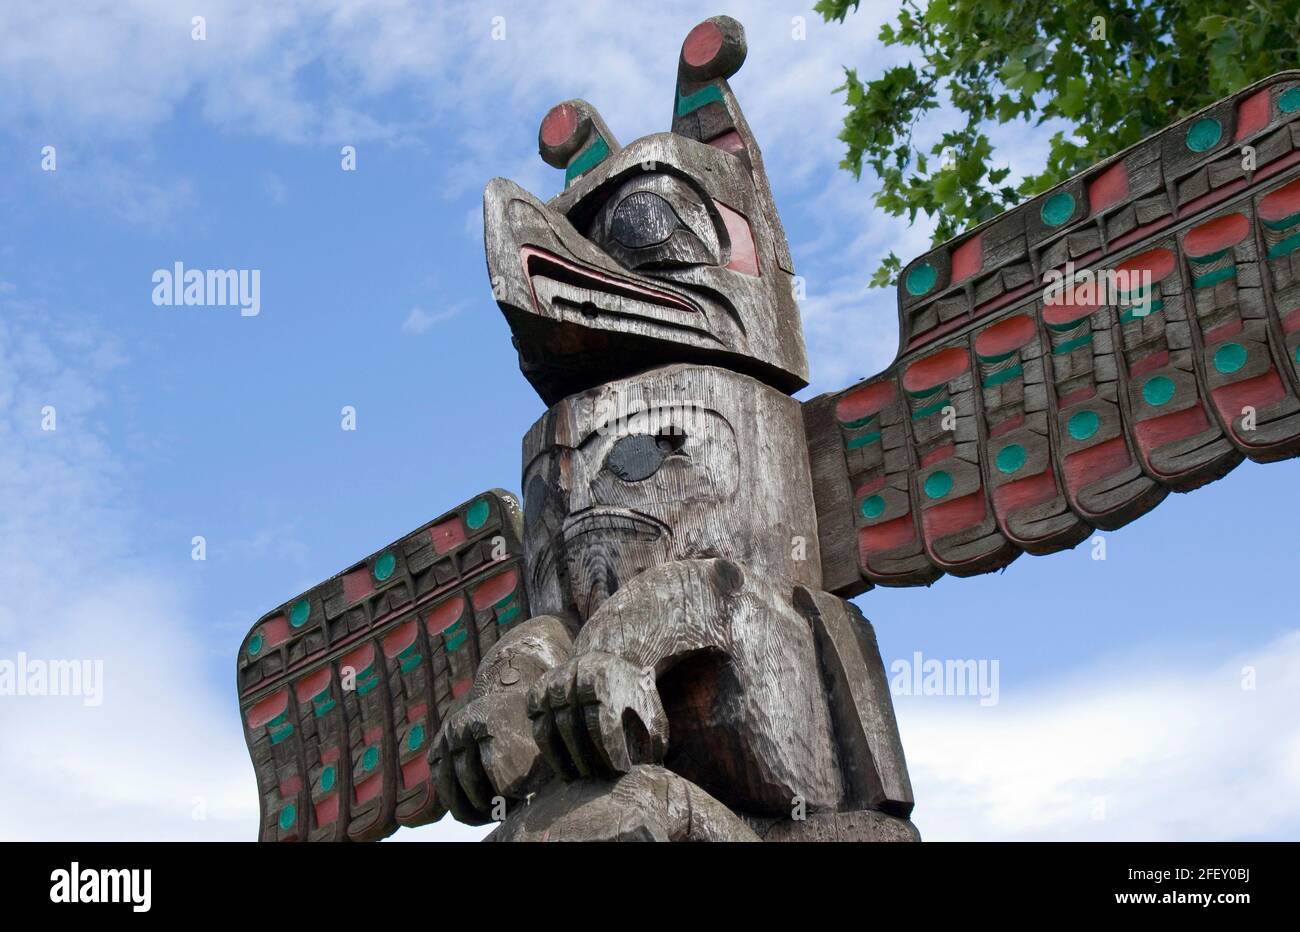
[618, 525]
[607, 548]
[581, 536]
[576, 293]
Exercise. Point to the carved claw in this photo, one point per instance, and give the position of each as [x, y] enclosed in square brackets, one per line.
[484, 753]
[598, 715]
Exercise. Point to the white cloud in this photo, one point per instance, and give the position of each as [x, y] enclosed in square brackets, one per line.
[421, 321]
[136, 765]
[320, 71]
[1168, 751]
[163, 756]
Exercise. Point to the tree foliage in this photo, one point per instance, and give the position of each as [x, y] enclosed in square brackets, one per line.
[1117, 70]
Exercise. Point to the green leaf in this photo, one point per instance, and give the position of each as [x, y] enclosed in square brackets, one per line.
[998, 61]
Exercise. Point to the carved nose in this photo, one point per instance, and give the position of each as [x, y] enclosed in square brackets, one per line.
[642, 219]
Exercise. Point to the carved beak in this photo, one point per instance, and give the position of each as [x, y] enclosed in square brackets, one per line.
[577, 316]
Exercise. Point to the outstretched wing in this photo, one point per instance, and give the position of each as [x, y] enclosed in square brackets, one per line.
[1023, 411]
[342, 688]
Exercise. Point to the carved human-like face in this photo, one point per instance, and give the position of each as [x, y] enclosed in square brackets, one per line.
[676, 463]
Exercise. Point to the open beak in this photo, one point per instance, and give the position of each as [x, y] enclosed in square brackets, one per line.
[575, 313]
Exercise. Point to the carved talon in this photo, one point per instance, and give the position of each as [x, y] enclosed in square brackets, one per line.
[598, 715]
[485, 751]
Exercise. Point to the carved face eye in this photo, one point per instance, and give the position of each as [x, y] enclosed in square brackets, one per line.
[656, 221]
[638, 456]
[534, 500]
[642, 219]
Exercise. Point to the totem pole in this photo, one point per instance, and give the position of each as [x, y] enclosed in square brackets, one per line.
[658, 646]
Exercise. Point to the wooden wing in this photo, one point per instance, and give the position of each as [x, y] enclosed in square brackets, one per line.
[342, 688]
[1026, 408]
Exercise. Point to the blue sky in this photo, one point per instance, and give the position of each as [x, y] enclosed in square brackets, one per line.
[1121, 711]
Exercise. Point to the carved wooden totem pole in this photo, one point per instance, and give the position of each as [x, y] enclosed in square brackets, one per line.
[659, 646]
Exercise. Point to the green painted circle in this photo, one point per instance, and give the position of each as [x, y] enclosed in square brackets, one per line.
[938, 484]
[1010, 458]
[1297, 355]
[255, 644]
[370, 759]
[1057, 209]
[415, 738]
[327, 777]
[1158, 390]
[1083, 424]
[300, 612]
[921, 279]
[1289, 102]
[873, 507]
[1229, 357]
[1204, 135]
[288, 815]
[385, 565]
[477, 515]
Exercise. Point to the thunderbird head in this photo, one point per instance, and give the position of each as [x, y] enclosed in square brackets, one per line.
[666, 250]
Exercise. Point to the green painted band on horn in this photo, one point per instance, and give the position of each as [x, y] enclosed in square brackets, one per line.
[689, 103]
[596, 153]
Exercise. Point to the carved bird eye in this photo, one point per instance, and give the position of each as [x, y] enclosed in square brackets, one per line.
[642, 219]
[638, 456]
[656, 221]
